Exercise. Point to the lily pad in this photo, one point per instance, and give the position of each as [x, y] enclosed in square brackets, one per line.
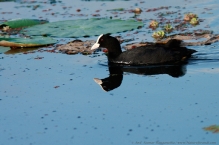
[4, 49]
[118, 9]
[35, 41]
[25, 50]
[82, 27]
[18, 23]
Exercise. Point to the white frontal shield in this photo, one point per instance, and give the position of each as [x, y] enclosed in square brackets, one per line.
[96, 45]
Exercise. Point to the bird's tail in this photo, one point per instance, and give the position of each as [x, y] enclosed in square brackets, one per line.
[191, 51]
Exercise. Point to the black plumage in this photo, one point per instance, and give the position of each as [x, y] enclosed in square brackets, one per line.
[170, 53]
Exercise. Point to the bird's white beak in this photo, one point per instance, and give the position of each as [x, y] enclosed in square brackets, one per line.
[98, 81]
[95, 46]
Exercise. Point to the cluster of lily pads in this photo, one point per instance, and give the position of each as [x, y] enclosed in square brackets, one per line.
[34, 33]
[191, 18]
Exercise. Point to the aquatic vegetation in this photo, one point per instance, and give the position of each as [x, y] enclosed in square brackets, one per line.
[82, 27]
[194, 21]
[212, 128]
[137, 10]
[158, 35]
[168, 28]
[18, 23]
[153, 24]
[190, 16]
[34, 41]
[61, 29]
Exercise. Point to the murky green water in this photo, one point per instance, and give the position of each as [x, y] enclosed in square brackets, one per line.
[54, 100]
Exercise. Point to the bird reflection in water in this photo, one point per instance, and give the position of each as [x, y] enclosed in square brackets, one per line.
[116, 73]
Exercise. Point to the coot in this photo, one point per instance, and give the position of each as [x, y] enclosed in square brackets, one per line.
[170, 53]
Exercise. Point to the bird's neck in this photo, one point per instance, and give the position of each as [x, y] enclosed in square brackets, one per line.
[115, 53]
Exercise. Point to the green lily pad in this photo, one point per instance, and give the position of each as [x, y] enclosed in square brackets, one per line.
[118, 9]
[25, 50]
[4, 49]
[35, 41]
[82, 27]
[18, 23]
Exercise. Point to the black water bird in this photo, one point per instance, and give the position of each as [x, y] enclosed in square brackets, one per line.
[169, 53]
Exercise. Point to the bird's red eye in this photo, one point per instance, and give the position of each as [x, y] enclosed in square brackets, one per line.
[101, 39]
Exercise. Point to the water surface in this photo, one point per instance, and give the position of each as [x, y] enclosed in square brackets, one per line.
[54, 100]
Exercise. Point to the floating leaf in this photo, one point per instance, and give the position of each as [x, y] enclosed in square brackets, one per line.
[25, 50]
[117, 9]
[18, 23]
[4, 49]
[26, 42]
[212, 128]
[82, 27]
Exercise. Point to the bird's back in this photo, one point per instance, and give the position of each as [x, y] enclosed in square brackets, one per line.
[147, 55]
